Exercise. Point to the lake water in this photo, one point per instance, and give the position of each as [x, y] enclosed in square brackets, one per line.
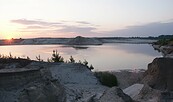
[105, 57]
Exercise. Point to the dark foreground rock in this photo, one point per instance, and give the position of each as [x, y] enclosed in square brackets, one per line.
[160, 74]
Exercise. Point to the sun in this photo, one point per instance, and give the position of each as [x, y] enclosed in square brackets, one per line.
[8, 37]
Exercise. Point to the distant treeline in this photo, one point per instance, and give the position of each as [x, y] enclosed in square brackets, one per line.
[150, 37]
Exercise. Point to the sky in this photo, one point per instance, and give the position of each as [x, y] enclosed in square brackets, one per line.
[89, 18]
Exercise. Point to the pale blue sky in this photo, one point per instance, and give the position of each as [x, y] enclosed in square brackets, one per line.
[68, 18]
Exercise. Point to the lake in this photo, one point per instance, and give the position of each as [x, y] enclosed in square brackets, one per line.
[106, 57]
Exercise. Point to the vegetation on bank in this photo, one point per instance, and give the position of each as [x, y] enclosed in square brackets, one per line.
[107, 79]
[56, 57]
[165, 41]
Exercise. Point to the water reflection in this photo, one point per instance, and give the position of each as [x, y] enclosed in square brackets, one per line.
[104, 57]
[77, 47]
[137, 48]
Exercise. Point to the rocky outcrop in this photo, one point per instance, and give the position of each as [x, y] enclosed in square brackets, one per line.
[166, 50]
[133, 90]
[11, 79]
[148, 94]
[84, 41]
[160, 74]
[127, 78]
[55, 82]
[30, 84]
[157, 83]
[79, 82]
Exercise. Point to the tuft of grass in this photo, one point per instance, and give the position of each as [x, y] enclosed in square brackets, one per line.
[107, 78]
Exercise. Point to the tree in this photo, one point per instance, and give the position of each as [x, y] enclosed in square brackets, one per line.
[39, 58]
[72, 60]
[91, 67]
[85, 63]
[56, 57]
[28, 58]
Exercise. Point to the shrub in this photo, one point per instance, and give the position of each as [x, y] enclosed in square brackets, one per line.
[107, 79]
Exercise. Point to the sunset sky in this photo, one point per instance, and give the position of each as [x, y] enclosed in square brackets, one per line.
[70, 18]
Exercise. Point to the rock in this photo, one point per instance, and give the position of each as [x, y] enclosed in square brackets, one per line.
[84, 41]
[32, 84]
[73, 73]
[127, 78]
[144, 93]
[115, 94]
[14, 63]
[55, 82]
[166, 50]
[133, 90]
[160, 74]
[147, 94]
[79, 82]
[166, 97]
[49, 92]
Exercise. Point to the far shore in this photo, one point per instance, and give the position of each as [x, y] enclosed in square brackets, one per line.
[77, 41]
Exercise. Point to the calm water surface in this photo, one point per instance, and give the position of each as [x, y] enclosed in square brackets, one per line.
[103, 58]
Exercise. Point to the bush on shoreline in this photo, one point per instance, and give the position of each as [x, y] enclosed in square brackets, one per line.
[107, 78]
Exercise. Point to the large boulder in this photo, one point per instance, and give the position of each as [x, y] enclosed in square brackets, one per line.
[160, 74]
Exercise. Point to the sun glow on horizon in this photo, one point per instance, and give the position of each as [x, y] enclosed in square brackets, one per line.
[8, 37]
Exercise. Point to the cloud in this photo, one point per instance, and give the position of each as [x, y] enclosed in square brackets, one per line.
[35, 27]
[151, 29]
[83, 28]
[34, 22]
[82, 31]
[76, 29]
[44, 27]
[82, 22]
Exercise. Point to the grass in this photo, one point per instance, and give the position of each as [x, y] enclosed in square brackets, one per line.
[107, 78]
